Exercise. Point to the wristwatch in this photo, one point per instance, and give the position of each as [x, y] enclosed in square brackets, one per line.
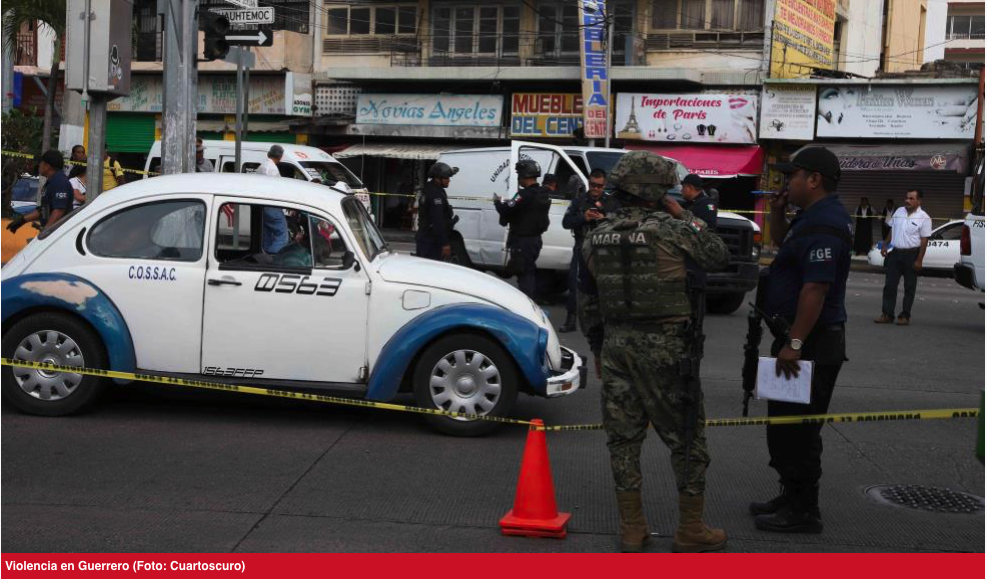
[795, 344]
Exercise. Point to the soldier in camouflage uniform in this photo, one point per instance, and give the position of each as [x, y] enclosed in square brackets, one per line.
[638, 260]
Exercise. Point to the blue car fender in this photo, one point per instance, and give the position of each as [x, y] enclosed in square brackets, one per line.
[78, 296]
[520, 337]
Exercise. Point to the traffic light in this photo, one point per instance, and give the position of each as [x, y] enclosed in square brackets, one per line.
[215, 26]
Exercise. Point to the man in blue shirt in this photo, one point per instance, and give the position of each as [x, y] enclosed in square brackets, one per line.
[56, 196]
[806, 287]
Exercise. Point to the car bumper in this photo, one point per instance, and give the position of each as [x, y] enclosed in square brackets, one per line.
[571, 378]
[739, 277]
[965, 276]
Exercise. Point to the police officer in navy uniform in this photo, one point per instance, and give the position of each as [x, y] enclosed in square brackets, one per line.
[56, 196]
[435, 217]
[702, 206]
[527, 216]
[806, 287]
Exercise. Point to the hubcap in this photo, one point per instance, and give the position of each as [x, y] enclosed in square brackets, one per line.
[465, 381]
[52, 347]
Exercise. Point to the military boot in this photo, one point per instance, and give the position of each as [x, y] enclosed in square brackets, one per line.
[799, 515]
[693, 536]
[633, 528]
[771, 506]
[569, 325]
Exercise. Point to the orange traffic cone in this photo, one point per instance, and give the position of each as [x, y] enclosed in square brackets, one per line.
[535, 513]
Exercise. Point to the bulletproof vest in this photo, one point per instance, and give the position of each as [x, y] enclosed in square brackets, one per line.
[637, 278]
[529, 217]
[424, 206]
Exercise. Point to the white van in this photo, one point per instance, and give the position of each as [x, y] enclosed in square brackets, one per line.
[969, 271]
[486, 172]
[310, 163]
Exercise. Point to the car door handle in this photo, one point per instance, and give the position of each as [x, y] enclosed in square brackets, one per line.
[224, 281]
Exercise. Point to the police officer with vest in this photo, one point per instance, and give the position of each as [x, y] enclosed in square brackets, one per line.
[806, 286]
[585, 211]
[527, 216]
[435, 217]
[702, 206]
[637, 259]
[56, 195]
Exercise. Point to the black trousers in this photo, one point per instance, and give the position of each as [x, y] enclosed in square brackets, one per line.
[427, 247]
[796, 450]
[524, 254]
[899, 265]
[571, 303]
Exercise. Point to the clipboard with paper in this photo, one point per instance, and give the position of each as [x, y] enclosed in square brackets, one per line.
[797, 390]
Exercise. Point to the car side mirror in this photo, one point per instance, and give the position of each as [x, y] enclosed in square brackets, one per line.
[349, 260]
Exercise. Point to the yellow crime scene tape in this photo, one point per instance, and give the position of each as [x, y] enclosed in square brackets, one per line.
[891, 415]
[454, 197]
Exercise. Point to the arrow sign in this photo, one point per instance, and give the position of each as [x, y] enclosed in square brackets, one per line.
[249, 16]
[263, 37]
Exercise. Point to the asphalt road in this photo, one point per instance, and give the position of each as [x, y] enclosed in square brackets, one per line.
[152, 470]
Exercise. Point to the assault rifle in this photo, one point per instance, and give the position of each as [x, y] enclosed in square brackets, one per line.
[778, 327]
[689, 366]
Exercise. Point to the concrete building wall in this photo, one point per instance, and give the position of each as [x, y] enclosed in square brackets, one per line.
[904, 35]
[935, 30]
[860, 46]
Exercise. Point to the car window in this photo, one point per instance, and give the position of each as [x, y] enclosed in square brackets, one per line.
[578, 161]
[331, 173]
[950, 233]
[563, 173]
[368, 237]
[166, 230]
[230, 167]
[328, 246]
[271, 237]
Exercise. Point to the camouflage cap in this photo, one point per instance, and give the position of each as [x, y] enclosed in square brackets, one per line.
[643, 174]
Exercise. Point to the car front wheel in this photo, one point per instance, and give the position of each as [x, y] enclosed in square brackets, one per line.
[465, 373]
[59, 339]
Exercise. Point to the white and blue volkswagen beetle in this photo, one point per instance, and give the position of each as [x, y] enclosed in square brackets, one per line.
[170, 276]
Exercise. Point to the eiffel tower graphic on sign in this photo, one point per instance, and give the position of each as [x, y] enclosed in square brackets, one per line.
[631, 130]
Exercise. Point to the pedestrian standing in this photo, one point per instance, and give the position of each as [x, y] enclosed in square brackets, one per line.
[77, 156]
[202, 164]
[77, 180]
[863, 233]
[903, 250]
[586, 210]
[56, 194]
[435, 215]
[275, 226]
[637, 258]
[113, 175]
[704, 207]
[807, 288]
[270, 165]
[886, 214]
[527, 216]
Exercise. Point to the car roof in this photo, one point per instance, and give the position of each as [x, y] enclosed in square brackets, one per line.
[249, 185]
[263, 146]
[566, 148]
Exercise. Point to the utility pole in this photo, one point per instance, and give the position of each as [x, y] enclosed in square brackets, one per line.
[609, 21]
[96, 106]
[239, 109]
[180, 95]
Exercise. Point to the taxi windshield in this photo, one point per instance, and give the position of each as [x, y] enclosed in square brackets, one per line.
[368, 237]
[330, 173]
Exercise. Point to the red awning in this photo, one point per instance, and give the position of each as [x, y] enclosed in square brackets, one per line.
[714, 162]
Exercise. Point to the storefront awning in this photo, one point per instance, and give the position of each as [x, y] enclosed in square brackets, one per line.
[396, 151]
[713, 162]
[947, 157]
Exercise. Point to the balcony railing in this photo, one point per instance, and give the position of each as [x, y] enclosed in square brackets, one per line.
[148, 47]
[26, 49]
[705, 40]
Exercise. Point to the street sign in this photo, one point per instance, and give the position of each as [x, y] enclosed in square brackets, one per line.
[244, 3]
[242, 57]
[248, 16]
[262, 37]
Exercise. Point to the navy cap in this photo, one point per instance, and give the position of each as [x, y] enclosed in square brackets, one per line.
[694, 180]
[815, 160]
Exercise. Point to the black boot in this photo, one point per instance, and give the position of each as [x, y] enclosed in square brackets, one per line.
[771, 506]
[800, 514]
[569, 325]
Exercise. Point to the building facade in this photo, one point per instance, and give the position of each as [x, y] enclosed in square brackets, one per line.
[955, 33]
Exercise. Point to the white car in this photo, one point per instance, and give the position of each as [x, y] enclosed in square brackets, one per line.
[169, 276]
[941, 253]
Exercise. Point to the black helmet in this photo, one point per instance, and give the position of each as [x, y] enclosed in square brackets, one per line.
[442, 171]
[527, 168]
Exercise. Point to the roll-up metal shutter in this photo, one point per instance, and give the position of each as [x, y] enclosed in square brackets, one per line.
[129, 132]
[942, 192]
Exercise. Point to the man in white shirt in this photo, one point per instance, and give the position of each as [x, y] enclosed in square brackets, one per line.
[903, 251]
[270, 166]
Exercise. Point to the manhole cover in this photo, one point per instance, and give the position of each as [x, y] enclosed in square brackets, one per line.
[934, 499]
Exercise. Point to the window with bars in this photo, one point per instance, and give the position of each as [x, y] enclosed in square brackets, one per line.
[558, 29]
[965, 27]
[733, 15]
[372, 20]
[470, 30]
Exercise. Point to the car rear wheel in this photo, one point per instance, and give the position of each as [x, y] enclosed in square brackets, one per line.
[57, 339]
[469, 374]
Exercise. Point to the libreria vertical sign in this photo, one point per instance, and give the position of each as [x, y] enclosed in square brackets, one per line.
[596, 84]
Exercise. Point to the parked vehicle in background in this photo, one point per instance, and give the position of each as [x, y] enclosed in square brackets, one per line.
[941, 253]
[969, 272]
[480, 240]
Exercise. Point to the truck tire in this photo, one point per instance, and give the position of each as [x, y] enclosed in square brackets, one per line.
[724, 303]
[60, 339]
[465, 373]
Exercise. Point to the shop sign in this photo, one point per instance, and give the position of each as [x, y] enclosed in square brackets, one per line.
[788, 112]
[298, 97]
[690, 118]
[802, 37]
[593, 71]
[269, 95]
[546, 114]
[430, 109]
[905, 111]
